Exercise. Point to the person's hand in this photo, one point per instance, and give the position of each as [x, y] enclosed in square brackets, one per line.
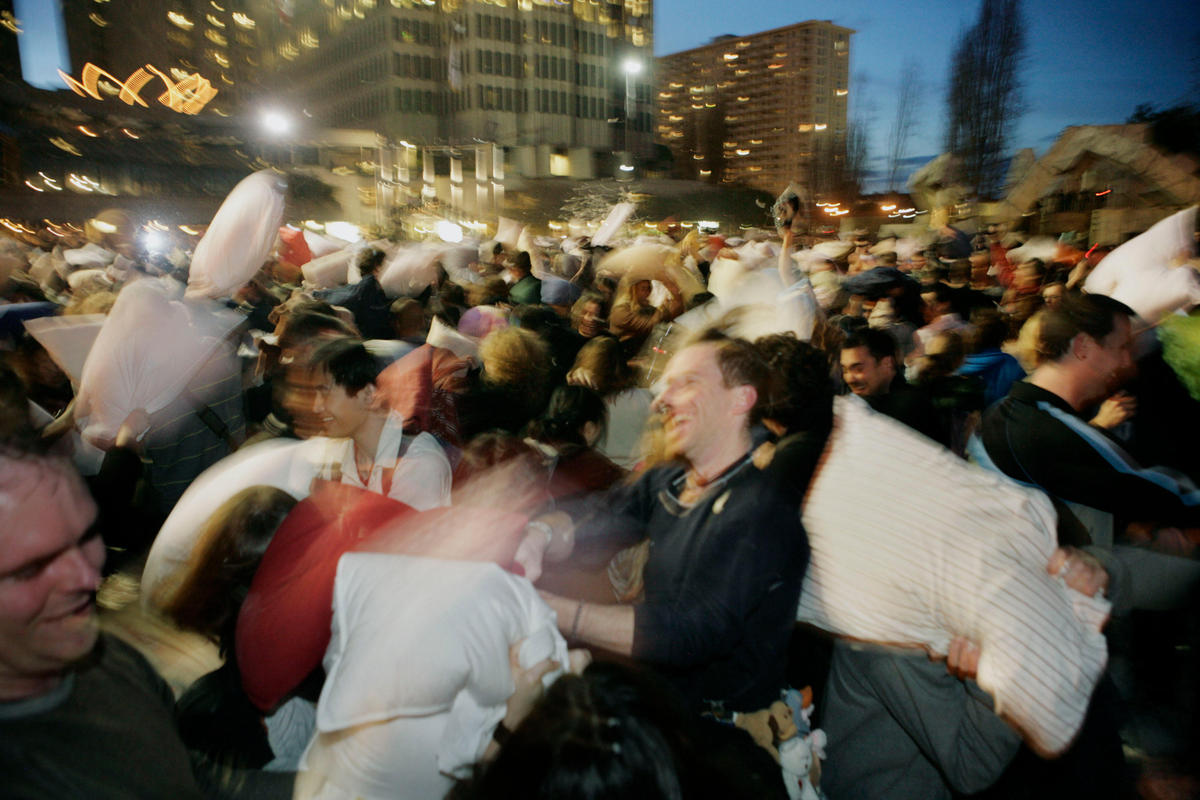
[1081, 571]
[531, 552]
[133, 428]
[528, 683]
[60, 424]
[1115, 410]
[962, 659]
[578, 660]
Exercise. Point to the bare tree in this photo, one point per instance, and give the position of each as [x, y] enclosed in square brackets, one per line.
[907, 112]
[856, 157]
[984, 99]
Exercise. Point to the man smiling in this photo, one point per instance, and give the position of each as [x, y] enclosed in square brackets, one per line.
[369, 448]
[81, 714]
[727, 552]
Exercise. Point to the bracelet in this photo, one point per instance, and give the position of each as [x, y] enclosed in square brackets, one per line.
[538, 525]
[501, 733]
[575, 624]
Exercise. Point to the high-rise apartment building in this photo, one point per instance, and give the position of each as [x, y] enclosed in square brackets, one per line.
[764, 110]
[519, 73]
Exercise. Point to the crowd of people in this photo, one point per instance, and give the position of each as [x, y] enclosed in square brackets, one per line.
[678, 516]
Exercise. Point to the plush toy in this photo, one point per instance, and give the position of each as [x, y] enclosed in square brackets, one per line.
[784, 730]
[769, 726]
[798, 757]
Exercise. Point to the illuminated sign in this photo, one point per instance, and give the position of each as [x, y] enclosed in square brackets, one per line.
[187, 96]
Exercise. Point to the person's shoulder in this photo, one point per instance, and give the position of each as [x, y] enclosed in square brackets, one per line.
[426, 444]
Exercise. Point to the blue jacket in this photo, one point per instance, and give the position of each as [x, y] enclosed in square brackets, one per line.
[998, 371]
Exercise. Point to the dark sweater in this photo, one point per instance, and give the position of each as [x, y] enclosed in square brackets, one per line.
[722, 581]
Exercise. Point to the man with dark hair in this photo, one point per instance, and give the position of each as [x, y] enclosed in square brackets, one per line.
[368, 447]
[366, 299]
[1038, 436]
[727, 552]
[870, 370]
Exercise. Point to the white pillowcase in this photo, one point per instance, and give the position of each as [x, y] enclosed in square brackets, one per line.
[415, 638]
[913, 546]
[1139, 272]
[240, 237]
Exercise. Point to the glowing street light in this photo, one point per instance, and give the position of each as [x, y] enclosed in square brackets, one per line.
[276, 122]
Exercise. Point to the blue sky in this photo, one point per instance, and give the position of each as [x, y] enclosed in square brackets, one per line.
[1085, 62]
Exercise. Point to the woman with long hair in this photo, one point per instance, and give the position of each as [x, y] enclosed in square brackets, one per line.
[205, 596]
[601, 365]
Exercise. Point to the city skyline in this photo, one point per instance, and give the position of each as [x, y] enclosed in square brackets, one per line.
[1086, 63]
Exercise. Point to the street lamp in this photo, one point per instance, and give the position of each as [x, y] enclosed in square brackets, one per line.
[631, 67]
[276, 122]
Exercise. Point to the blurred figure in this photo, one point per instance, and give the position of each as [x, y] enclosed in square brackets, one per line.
[986, 361]
[611, 734]
[566, 434]
[588, 316]
[632, 318]
[524, 289]
[205, 596]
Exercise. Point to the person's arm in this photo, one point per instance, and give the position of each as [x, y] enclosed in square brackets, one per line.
[606, 520]
[609, 627]
[786, 266]
[674, 305]
[624, 321]
[1077, 462]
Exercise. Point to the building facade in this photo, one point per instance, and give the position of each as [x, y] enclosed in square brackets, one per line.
[763, 110]
[545, 75]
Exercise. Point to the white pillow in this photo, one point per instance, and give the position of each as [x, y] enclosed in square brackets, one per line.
[328, 271]
[409, 270]
[240, 237]
[913, 546]
[150, 346]
[433, 627]
[285, 464]
[1139, 272]
[442, 335]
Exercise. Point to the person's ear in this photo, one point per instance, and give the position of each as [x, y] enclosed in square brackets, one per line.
[369, 396]
[591, 433]
[744, 398]
[1081, 346]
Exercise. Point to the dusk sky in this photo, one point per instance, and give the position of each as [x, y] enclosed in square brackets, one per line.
[1085, 62]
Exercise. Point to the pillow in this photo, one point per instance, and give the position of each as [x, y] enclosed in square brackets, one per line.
[1139, 273]
[443, 336]
[285, 464]
[283, 628]
[409, 271]
[911, 545]
[150, 346]
[440, 632]
[240, 236]
[328, 271]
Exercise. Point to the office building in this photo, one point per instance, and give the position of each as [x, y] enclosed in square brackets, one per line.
[543, 79]
[763, 110]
